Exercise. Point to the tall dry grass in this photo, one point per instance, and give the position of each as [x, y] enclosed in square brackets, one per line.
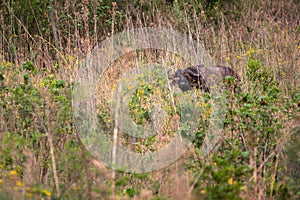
[56, 41]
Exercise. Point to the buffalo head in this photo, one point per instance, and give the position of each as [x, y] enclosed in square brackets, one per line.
[198, 77]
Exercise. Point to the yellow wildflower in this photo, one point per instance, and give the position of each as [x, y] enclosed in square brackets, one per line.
[230, 181]
[1, 181]
[203, 191]
[46, 192]
[13, 172]
[208, 113]
[215, 164]
[299, 47]
[28, 194]
[238, 57]
[8, 64]
[19, 183]
[244, 188]
[227, 59]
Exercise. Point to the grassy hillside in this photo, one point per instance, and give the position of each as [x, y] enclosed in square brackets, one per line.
[43, 44]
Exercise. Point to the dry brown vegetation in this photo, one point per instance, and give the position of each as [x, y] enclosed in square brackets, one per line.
[42, 44]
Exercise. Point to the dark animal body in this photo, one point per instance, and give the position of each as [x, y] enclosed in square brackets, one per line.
[201, 77]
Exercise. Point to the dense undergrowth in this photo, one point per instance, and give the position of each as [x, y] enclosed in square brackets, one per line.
[42, 44]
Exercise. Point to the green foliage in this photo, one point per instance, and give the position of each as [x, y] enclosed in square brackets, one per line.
[32, 14]
[130, 191]
[138, 103]
[292, 149]
[104, 13]
[32, 106]
[35, 96]
[260, 107]
[212, 12]
[149, 91]
[254, 121]
[226, 176]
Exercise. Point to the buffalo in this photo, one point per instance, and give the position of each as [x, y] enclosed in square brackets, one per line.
[202, 77]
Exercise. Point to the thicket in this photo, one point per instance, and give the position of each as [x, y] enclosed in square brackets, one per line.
[44, 41]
